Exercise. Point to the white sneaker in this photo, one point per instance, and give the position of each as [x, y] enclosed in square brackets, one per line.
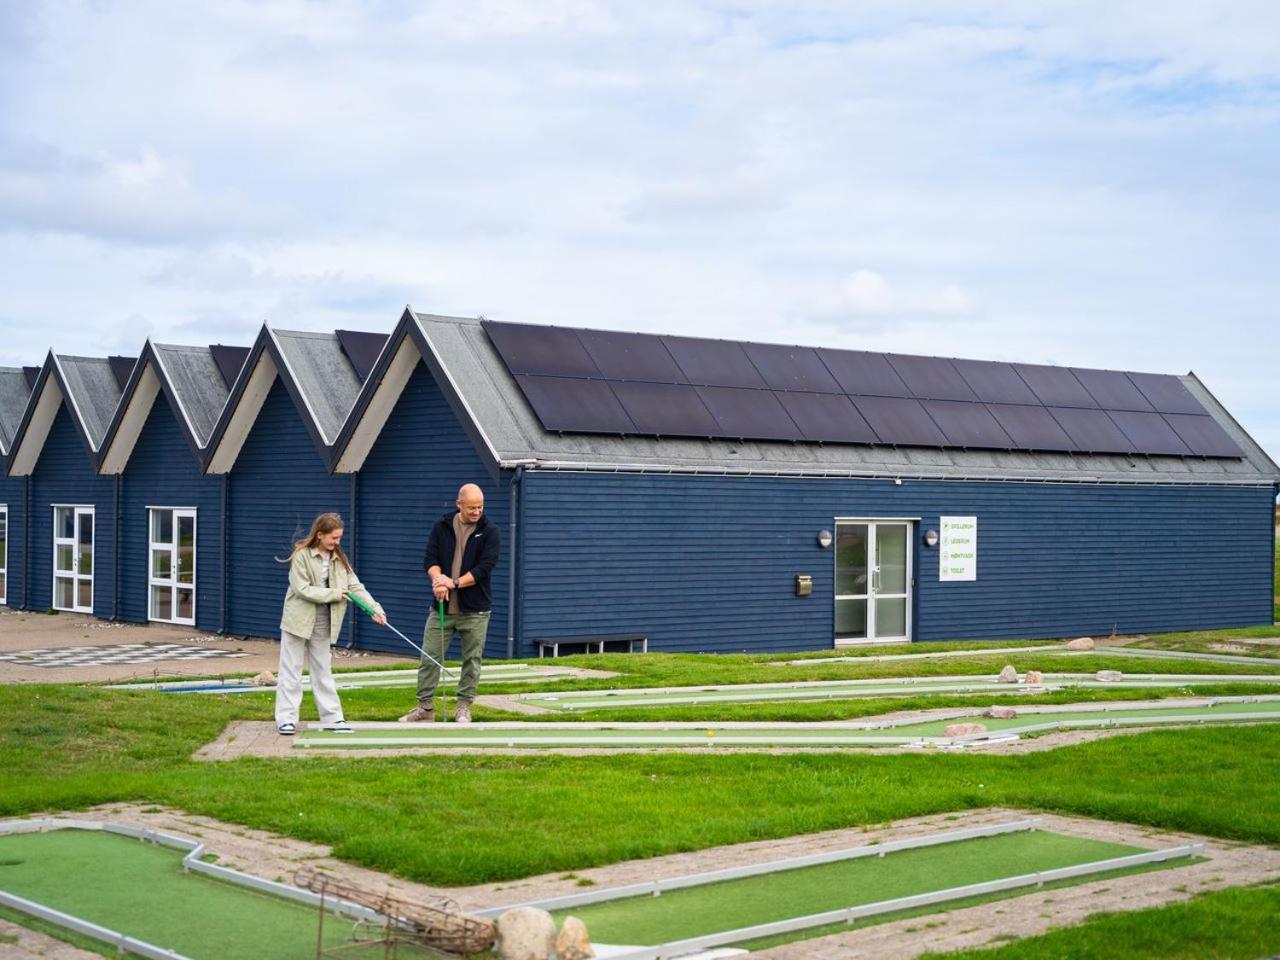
[340, 727]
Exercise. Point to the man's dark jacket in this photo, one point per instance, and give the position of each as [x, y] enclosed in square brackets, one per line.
[479, 557]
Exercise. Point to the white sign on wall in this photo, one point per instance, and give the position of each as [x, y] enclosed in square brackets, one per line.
[958, 548]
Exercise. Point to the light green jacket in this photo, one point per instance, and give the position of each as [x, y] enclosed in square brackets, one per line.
[307, 589]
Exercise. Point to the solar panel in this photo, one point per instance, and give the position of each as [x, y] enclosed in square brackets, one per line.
[1091, 431]
[931, 377]
[577, 406]
[665, 409]
[827, 417]
[1149, 433]
[1112, 389]
[864, 374]
[994, 382]
[1055, 386]
[749, 413]
[548, 351]
[121, 367]
[229, 360]
[1166, 393]
[361, 349]
[32, 374]
[1030, 427]
[967, 424]
[630, 356]
[900, 421]
[1203, 436]
[716, 363]
[791, 368]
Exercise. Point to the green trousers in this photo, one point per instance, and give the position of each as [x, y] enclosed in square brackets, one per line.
[471, 627]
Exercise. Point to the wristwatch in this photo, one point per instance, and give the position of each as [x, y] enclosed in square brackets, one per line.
[455, 584]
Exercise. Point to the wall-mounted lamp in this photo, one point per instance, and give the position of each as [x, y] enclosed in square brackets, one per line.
[931, 538]
[824, 539]
[897, 481]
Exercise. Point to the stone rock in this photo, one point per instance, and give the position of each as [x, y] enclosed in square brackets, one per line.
[526, 933]
[265, 679]
[964, 729]
[573, 942]
[1081, 643]
[1001, 713]
[1008, 675]
[1109, 676]
[1034, 678]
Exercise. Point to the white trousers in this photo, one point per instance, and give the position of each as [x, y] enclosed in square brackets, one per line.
[294, 651]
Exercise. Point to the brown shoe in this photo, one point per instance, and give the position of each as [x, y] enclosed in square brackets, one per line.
[463, 713]
[422, 713]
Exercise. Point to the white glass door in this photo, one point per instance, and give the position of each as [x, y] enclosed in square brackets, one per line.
[4, 553]
[873, 581]
[171, 574]
[73, 559]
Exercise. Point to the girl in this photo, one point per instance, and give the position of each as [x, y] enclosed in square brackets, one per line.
[320, 577]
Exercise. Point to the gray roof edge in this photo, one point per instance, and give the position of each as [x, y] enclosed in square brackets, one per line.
[499, 412]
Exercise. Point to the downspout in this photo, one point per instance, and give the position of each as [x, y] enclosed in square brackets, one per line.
[26, 543]
[226, 522]
[115, 553]
[513, 576]
[352, 619]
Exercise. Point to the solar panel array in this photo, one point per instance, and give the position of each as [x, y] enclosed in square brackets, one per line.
[596, 381]
[229, 361]
[121, 368]
[361, 349]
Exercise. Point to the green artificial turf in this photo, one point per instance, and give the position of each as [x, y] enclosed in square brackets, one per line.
[745, 902]
[1237, 924]
[139, 889]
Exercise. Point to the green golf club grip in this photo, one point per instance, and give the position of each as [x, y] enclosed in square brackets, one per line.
[362, 605]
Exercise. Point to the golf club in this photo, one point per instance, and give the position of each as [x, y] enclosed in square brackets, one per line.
[373, 613]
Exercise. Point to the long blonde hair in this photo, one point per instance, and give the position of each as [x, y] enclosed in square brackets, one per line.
[325, 523]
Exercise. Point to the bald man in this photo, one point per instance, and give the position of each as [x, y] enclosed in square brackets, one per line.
[461, 554]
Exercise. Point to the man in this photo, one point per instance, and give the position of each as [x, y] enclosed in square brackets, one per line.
[461, 554]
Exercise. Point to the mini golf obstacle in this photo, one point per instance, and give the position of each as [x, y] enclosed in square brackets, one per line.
[189, 909]
[806, 896]
[902, 731]
[985, 685]
[365, 679]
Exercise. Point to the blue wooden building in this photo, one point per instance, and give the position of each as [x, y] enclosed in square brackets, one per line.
[716, 496]
[15, 391]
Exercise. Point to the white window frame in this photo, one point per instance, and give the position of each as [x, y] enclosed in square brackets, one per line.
[4, 555]
[872, 570]
[79, 510]
[172, 583]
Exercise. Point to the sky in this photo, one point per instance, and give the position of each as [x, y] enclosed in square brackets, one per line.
[1051, 181]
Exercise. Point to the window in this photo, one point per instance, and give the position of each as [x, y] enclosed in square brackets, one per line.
[171, 562]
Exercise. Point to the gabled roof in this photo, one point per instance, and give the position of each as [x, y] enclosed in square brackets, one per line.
[91, 392]
[14, 394]
[194, 387]
[505, 431]
[317, 375]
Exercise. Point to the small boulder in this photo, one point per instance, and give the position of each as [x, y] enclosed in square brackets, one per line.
[573, 942]
[265, 679]
[1109, 676]
[964, 729]
[1081, 643]
[1008, 675]
[526, 933]
[1034, 678]
[1001, 713]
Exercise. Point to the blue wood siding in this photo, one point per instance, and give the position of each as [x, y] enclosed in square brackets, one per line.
[410, 479]
[11, 496]
[278, 485]
[704, 563]
[64, 474]
[163, 472]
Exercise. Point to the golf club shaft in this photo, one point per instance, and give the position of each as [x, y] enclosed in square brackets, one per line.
[369, 610]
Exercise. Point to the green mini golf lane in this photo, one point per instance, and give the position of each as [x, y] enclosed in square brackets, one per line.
[622, 698]
[139, 889]
[734, 904]
[533, 735]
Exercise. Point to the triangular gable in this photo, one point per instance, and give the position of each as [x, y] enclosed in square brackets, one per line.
[89, 389]
[318, 377]
[407, 344]
[15, 392]
[192, 385]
